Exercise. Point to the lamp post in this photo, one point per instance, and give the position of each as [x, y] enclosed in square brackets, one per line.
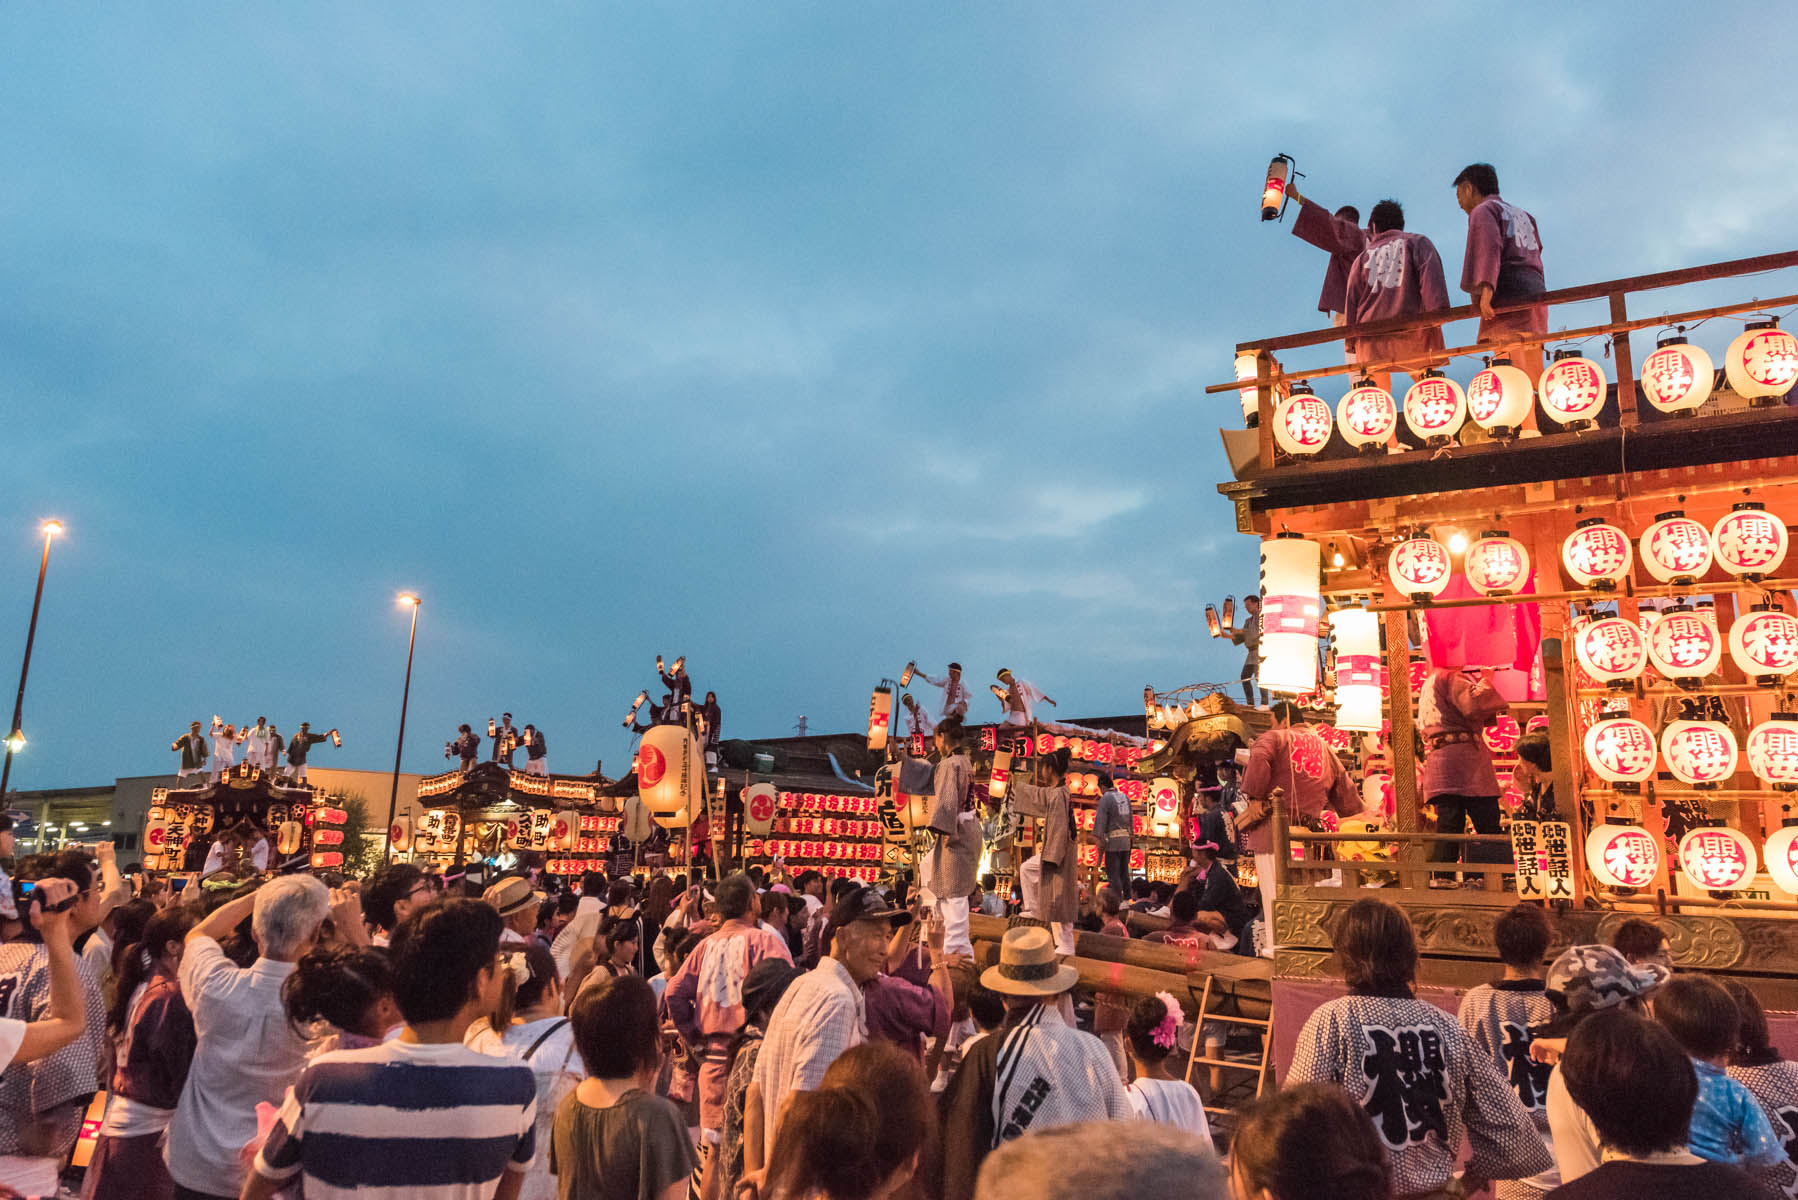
[15, 738]
[399, 746]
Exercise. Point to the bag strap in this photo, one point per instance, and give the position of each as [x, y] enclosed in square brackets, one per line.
[544, 1037]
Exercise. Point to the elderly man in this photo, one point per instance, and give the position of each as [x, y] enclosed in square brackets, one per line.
[1104, 1161]
[517, 905]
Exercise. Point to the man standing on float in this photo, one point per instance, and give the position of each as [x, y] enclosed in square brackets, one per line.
[955, 692]
[947, 872]
[1502, 265]
[1341, 236]
[1400, 275]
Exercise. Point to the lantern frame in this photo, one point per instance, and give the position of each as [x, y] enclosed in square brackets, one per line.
[1568, 362]
[1765, 389]
[1608, 581]
[1684, 571]
[1697, 390]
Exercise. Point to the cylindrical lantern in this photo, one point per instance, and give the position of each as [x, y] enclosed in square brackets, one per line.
[1356, 633]
[1435, 408]
[1685, 645]
[1612, 651]
[1497, 564]
[670, 775]
[1302, 422]
[880, 717]
[1367, 416]
[399, 835]
[1764, 644]
[1750, 542]
[759, 804]
[1212, 625]
[1677, 377]
[1676, 549]
[1291, 608]
[1621, 750]
[1246, 372]
[1716, 858]
[1762, 364]
[1621, 855]
[1498, 398]
[1420, 568]
[1597, 555]
[1164, 802]
[1001, 775]
[1699, 753]
[1273, 192]
[1229, 613]
[565, 830]
[1781, 855]
[1573, 390]
[1773, 751]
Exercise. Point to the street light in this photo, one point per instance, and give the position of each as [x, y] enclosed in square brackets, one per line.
[15, 740]
[406, 600]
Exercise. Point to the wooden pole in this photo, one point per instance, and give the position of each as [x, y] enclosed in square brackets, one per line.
[1404, 753]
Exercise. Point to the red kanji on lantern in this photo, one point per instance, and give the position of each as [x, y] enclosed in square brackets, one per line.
[1716, 859]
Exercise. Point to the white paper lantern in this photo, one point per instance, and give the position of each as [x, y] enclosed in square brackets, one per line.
[1677, 377]
[1435, 408]
[1750, 542]
[565, 830]
[1716, 858]
[1762, 364]
[760, 802]
[1685, 645]
[1764, 644]
[1367, 416]
[1420, 568]
[1623, 855]
[1621, 750]
[1356, 634]
[1497, 564]
[1781, 855]
[1291, 610]
[1597, 555]
[1164, 802]
[1573, 389]
[1773, 751]
[670, 775]
[1612, 651]
[1246, 373]
[880, 717]
[1302, 422]
[1676, 549]
[1498, 398]
[1700, 753]
[399, 835]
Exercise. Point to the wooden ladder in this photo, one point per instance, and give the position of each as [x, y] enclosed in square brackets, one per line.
[1197, 1057]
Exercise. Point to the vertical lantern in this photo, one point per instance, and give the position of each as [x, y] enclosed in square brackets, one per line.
[1367, 416]
[1612, 651]
[399, 835]
[1750, 542]
[1677, 377]
[1625, 856]
[1164, 803]
[1291, 608]
[759, 804]
[1762, 364]
[1773, 751]
[1498, 398]
[1273, 192]
[1764, 644]
[1716, 858]
[1497, 564]
[1419, 568]
[1699, 753]
[1356, 633]
[1573, 390]
[1001, 776]
[1781, 854]
[1685, 645]
[1676, 549]
[1435, 408]
[670, 775]
[1246, 372]
[1621, 751]
[1302, 422]
[880, 717]
[565, 830]
[1597, 555]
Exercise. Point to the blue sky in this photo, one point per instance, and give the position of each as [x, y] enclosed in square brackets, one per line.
[798, 338]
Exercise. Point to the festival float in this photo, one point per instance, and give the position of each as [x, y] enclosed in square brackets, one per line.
[304, 824]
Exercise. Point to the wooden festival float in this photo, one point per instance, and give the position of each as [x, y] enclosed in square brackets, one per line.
[301, 820]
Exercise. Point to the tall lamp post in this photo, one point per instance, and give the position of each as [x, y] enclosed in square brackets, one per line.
[407, 599]
[15, 738]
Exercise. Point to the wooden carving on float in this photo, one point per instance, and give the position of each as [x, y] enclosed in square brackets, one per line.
[1302, 923]
[1212, 737]
[1703, 943]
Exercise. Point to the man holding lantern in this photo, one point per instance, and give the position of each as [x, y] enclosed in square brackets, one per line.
[1342, 237]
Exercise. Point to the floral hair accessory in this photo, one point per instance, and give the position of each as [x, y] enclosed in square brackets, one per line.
[1167, 1032]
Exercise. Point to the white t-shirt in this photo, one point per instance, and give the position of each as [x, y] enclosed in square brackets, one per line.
[1170, 1102]
[558, 1069]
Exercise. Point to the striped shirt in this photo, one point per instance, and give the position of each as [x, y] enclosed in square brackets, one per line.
[404, 1121]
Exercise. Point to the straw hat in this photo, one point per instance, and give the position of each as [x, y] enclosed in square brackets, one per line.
[1027, 965]
[512, 894]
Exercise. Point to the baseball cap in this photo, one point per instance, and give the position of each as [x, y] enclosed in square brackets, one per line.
[866, 904]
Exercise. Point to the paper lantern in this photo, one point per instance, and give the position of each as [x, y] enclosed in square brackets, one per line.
[327, 858]
[1302, 422]
[1420, 568]
[1626, 856]
[399, 835]
[1164, 802]
[1435, 408]
[1762, 364]
[1246, 372]
[1716, 858]
[1498, 398]
[1685, 645]
[670, 775]
[1764, 644]
[1781, 855]
[1621, 750]
[1612, 651]
[1291, 608]
[880, 717]
[1273, 192]
[1001, 775]
[1573, 390]
[1597, 555]
[156, 834]
[1773, 751]
[1677, 377]
[1356, 633]
[760, 802]
[1367, 416]
[1676, 549]
[565, 830]
[1750, 542]
[1497, 564]
[1699, 753]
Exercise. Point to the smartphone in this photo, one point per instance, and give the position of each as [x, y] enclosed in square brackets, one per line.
[177, 883]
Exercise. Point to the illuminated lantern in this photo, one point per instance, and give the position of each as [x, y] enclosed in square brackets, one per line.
[1762, 364]
[1419, 568]
[1677, 377]
[565, 830]
[1699, 753]
[1621, 750]
[1625, 856]
[1773, 751]
[399, 836]
[1750, 542]
[1273, 192]
[1302, 422]
[670, 775]
[1001, 775]
[880, 717]
[1498, 398]
[1246, 373]
[327, 858]
[1164, 802]
[1597, 555]
[1716, 858]
[1685, 645]
[759, 804]
[1781, 853]
[1291, 608]
[1612, 651]
[1676, 549]
[1435, 408]
[1367, 416]
[1497, 564]
[1573, 390]
[1356, 633]
[1764, 644]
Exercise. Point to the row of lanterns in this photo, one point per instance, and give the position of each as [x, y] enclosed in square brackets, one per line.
[1715, 858]
[1701, 753]
[1685, 646]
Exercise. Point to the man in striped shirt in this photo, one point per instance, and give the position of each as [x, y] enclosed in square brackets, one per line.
[423, 1117]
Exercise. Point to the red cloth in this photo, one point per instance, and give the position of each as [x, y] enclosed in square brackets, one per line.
[1399, 275]
[1505, 637]
[1344, 241]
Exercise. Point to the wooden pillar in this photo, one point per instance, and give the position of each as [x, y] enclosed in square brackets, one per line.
[1264, 406]
[1566, 747]
[1404, 754]
[1626, 364]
